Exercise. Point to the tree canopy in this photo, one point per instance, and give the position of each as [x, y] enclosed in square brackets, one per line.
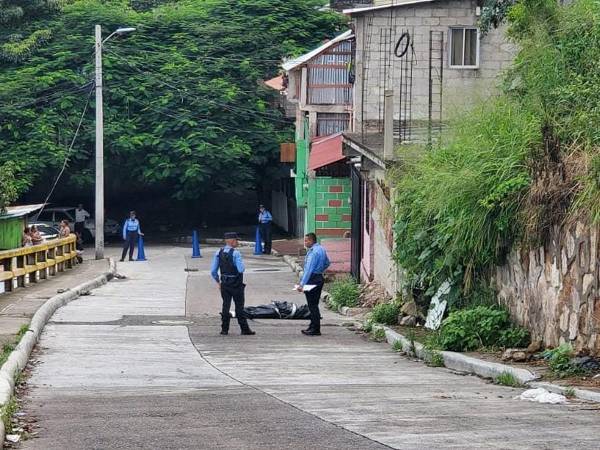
[184, 105]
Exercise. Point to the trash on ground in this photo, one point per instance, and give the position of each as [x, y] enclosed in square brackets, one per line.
[13, 437]
[278, 310]
[541, 395]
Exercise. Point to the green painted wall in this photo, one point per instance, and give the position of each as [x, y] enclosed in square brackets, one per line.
[11, 231]
[302, 148]
[329, 204]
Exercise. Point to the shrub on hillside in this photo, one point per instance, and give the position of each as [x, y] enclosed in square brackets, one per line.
[482, 326]
[386, 313]
[344, 292]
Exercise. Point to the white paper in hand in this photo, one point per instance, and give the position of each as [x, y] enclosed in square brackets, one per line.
[306, 288]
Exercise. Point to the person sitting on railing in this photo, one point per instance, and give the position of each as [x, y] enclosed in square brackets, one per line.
[26, 238]
[36, 236]
[65, 230]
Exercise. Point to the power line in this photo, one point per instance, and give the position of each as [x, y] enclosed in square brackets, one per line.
[68, 154]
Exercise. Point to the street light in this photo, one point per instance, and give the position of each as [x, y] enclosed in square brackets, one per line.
[100, 138]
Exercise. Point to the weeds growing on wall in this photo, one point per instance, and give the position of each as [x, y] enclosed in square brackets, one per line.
[513, 168]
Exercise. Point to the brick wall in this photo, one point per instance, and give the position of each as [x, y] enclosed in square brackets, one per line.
[332, 206]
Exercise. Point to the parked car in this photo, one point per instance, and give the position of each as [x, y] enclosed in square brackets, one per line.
[54, 215]
[48, 232]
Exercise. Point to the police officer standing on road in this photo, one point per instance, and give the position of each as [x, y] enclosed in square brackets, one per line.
[131, 231]
[315, 265]
[228, 261]
[264, 222]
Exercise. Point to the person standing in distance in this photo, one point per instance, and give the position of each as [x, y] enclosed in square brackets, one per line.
[228, 261]
[131, 231]
[264, 223]
[315, 265]
[80, 216]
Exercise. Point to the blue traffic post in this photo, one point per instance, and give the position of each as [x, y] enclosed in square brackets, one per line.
[257, 243]
[141, 255]
[195, 245]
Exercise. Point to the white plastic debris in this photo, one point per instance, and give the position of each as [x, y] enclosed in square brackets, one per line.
[13, 437]
[438, 306]
[541, 395]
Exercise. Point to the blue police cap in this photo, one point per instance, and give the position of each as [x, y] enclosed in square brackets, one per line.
[230, 235]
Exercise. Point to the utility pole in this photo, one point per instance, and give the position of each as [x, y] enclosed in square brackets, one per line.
[99, 214]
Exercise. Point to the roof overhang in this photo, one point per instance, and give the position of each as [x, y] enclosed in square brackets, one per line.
[295, 62]
[367, 9]
[20, 211]
[325, 151]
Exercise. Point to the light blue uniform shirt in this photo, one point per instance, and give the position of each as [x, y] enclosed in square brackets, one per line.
[237, 260]
[131, 225]
[265, 217]
[316, 262]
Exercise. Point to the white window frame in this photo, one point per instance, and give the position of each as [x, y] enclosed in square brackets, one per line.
[450, 34]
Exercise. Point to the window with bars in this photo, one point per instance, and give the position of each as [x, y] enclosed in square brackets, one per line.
[464, 47]
[331, 123]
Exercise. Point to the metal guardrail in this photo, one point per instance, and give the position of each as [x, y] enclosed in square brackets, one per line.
[21, 266]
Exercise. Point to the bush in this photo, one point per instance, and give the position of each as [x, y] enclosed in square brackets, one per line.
[344, 292]
[386, 313]
[560, 361]
[482, 326]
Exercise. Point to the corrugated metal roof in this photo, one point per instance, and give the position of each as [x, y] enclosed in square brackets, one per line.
[389, 5]
[325, 151]
[20, 211]
[295, 62]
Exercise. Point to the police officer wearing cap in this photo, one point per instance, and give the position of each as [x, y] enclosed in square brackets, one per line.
[228, 262]
[264, 223]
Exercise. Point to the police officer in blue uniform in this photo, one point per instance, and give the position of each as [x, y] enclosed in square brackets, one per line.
[264, 223]
[315, 264]
[131, 231]
[228, 262]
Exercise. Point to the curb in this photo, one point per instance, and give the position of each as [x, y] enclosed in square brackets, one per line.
[19, 357]
[582, 394]
[458, 361]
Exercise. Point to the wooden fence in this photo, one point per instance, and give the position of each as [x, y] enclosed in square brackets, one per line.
[22, 266]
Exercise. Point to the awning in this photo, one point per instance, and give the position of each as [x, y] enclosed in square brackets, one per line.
[20, 211]
[325, 151]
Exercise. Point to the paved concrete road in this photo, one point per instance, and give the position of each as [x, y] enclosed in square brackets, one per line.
[140, 365]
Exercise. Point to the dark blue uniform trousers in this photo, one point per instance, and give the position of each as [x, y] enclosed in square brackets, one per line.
[130, 242]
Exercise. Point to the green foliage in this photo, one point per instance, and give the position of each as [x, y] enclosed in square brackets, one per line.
[378, 334]
[482, 326]
[385, 313]
[569, 392]
[185, 111]
[367, 326]
[435, 359]
[507, 379]
[515, 167]
[397, 346]
[457, 206]
[344, 292]
[560, 361]
[9, 186]
[7, 412]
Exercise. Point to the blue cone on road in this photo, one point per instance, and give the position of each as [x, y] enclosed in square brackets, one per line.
[257, 244]
[195, 245]
[141, 255]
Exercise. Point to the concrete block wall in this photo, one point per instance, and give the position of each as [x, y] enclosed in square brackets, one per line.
[462, 88]
[332, 207]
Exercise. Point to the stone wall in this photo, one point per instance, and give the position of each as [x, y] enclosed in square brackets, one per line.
[554, 291]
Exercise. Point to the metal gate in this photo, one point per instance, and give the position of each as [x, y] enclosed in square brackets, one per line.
[356, 233]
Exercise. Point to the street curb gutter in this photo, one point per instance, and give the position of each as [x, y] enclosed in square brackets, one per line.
[19, 357]
[458, 361]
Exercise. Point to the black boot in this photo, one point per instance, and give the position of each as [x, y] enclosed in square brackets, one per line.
[224, 324]
[246, 331]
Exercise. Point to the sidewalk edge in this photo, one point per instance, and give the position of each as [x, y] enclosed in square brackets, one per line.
[19, 357]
